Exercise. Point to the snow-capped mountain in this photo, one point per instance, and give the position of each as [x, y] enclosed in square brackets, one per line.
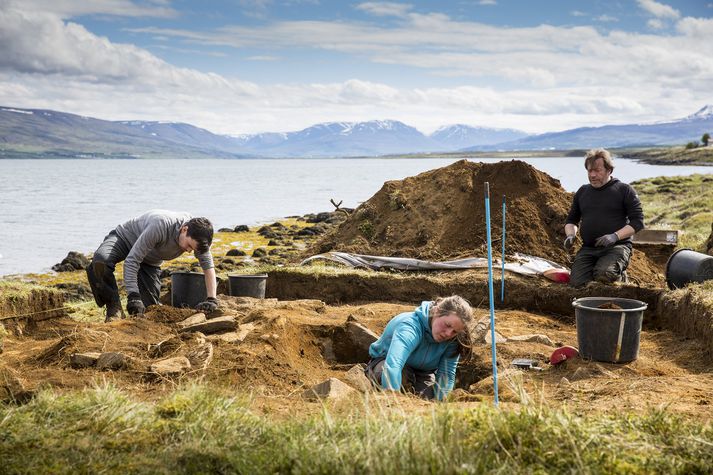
[458, 136]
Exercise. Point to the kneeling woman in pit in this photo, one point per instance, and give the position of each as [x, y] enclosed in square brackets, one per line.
[419, 351]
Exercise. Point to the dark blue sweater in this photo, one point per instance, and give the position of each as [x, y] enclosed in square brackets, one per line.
[605, 210]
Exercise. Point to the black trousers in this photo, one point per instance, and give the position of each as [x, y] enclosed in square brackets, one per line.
[422, 383]
[100, 273]
[603, 264]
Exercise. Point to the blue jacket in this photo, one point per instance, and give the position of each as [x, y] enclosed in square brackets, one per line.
[407, 341]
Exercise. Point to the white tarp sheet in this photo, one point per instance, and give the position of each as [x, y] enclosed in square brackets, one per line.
[521, 264]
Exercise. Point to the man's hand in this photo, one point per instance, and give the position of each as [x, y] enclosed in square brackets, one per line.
[210, 304]
[606, 240]
[569, 242]
[134, 305]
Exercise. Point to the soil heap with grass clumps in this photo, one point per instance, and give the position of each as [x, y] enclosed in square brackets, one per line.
[440, 214]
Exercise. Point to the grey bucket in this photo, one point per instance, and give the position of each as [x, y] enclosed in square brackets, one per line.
[247, 285]
[686, 266]
[187, 289]
[608, 334]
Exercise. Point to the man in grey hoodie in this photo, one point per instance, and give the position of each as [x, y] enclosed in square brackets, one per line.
[144, 243]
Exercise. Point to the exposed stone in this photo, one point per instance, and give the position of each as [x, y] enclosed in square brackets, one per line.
[201, 356]
[361, 336]
[498, 338]
[171, 367]
[329, 389]
[111, 360]
[237, 336]
[165, 347]
[537, 338]
[241, 228]
[73, 261]
[357, 379]
[192, 320]
[215, 325]
[83, 360]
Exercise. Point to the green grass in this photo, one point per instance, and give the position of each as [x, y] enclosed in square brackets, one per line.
[670, 155]
[202, 430]
[679, 202]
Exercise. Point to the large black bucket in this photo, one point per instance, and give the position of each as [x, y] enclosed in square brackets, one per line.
[187, 289]
[608, 334]
[686, 266]
[248, 285]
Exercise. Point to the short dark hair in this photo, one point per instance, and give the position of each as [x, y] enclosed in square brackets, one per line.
[201, 230]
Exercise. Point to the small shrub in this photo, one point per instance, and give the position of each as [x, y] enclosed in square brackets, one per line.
[366, 228]
[691, 145]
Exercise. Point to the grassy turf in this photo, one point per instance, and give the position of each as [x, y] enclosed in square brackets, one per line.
[679, 202]
[203, 430]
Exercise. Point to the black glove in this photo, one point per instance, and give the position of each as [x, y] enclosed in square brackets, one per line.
[134, 305]
[569, 242]
[606, 240]
[210, 304]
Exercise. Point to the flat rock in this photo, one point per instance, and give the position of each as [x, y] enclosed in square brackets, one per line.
[111, 360]
[83, 360]
[543, 339]
[329, 389]
[357, 379]
[192, 320]
[214, 325]
[201, 356]
[171, 367]
[498, 338]
[360, 336]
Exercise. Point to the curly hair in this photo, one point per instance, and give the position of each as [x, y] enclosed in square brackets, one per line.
[597, 153]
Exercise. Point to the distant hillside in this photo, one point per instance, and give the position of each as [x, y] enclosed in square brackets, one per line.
[60, 134]
[46, 133]
[665, 133]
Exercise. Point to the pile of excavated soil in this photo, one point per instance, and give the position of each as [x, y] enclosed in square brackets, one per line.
[440, 214]
[289, 346]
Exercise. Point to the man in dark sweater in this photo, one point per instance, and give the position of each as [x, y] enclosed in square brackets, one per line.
[143, 243]
[609, 213]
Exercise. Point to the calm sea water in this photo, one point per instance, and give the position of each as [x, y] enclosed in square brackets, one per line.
[49, 207]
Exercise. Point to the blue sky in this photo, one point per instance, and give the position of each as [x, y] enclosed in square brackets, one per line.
[248, 66]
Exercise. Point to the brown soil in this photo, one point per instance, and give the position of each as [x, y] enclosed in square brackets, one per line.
[440, 214]
[610, 305]
[296, 344]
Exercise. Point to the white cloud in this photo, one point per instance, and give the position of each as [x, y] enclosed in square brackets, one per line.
[659, 10]
[384, 8]
[567, 76]
[655, 24]
[74, 8]
[607, 18]
[487, 2]
[578, 13]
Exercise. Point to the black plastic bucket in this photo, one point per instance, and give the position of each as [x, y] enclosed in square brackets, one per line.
[187, 289]
[609, 334]
[248, 285]
[686, 266]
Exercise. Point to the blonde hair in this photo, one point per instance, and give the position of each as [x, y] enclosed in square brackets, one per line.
[460, 307]
[597, 153]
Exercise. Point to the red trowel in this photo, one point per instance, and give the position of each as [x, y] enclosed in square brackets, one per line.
[563, 353]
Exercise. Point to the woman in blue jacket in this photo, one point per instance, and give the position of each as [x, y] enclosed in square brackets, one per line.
[419, 350]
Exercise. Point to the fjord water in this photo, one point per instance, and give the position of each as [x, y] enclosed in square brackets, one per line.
[49, 207]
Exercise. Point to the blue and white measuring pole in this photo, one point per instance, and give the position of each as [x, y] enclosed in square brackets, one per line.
[502, 259]
[490, 290]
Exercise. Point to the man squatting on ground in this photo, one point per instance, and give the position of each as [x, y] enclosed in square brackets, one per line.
[145, 242]
[419, 351]
[610, 213]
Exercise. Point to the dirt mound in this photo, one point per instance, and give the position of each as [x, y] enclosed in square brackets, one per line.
[440, 214]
